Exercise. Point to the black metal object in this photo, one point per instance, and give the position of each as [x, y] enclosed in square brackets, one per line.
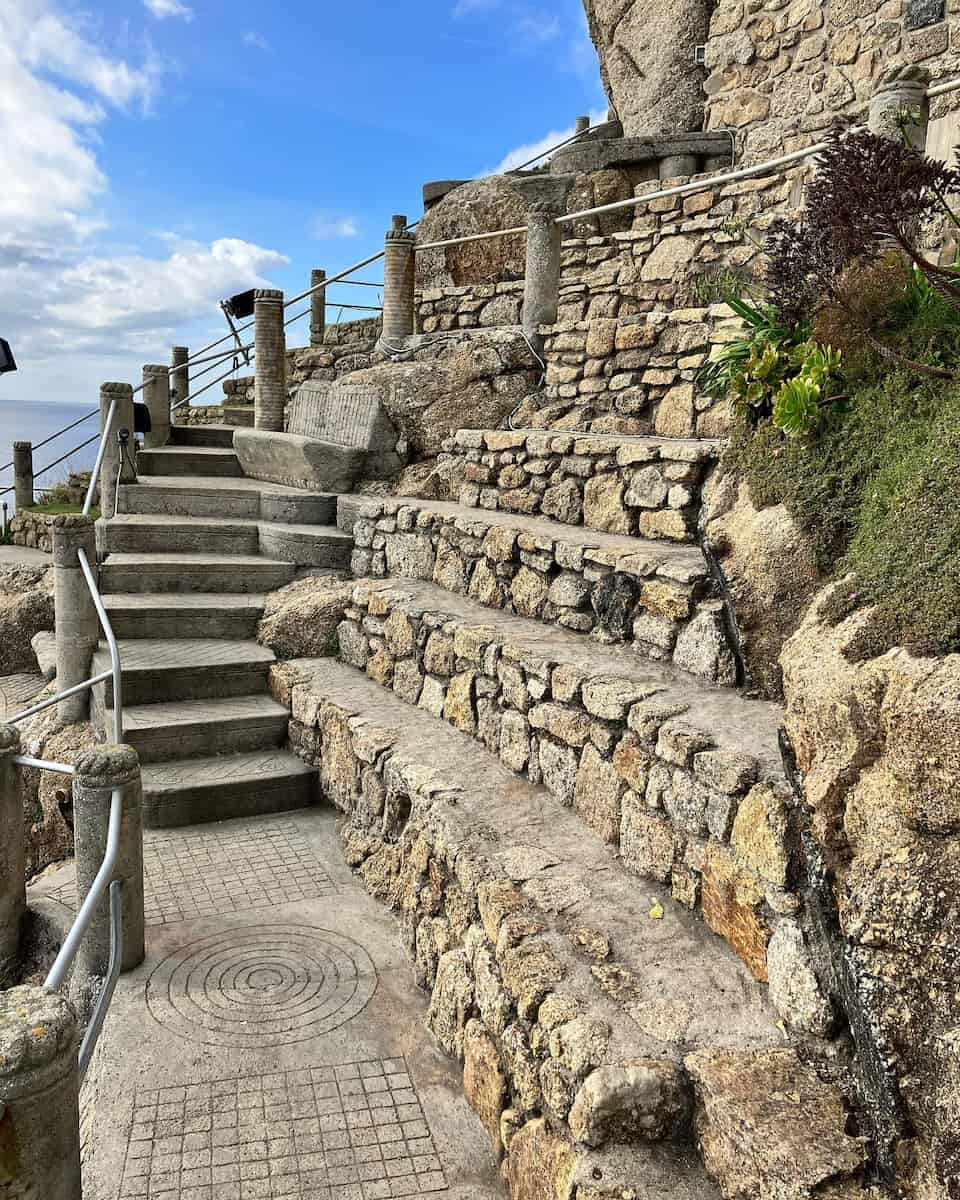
[7, 361]
[241, 305]
[141, 418]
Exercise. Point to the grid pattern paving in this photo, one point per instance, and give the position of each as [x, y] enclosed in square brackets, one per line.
[351, 1132]
[212, 871]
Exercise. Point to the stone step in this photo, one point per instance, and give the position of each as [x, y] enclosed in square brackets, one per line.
[189, 460]
[219, 573]
[198, 790]
[155, 670]
[151, 534]
[651, 759]
[643, 486]
[240, 416]
[658, 596]
[184, 615]
[220, 436]
[564, 988]
[201, 496]
[185, 729]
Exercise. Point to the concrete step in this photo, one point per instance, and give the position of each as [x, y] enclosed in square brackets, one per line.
[152, 534]
[155, 670]
[184, 615]
[198, 790]
[220, 436]
[558, 913]
[218, 573]
[201, 496]
[644, 486]
[240, 416]
[655, 595]
[189, 460]
[185, 729]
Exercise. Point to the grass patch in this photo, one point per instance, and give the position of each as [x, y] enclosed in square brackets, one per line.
[54, 509]
[876, 493]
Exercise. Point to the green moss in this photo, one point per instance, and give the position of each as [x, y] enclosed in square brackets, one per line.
[877, 493]
[54, 509]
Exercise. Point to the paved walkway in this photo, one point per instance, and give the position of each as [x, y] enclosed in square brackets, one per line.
[273, 1044]
[18, 555]
[16, 692]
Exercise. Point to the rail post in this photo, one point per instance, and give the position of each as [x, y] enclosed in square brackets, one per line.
[179, 380]
[677, 165]
[97, 773]
[399, 281]
[156, 395]
[541, 291]
[113, 466]
[13, 894]
[23, 474]
[900, 108]
[270, 387]
[77, 627]
[39, 1095]
[318, 309]
[582, 125]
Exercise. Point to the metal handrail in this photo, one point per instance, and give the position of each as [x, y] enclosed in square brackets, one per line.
[52, 700]
[108, 425]
[99, 1014]
[41, 764]
[112, 645]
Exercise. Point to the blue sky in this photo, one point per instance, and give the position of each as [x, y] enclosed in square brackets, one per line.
[158, 155]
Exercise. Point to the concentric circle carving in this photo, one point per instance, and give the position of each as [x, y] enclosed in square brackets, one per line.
[270, 985]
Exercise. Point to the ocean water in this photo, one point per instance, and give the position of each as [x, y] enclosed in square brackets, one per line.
[35, 421]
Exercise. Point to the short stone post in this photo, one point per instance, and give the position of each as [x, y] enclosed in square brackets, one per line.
[23, 474]
[541, 292]
[399, 281]
[270, 388]
[13, 893]
[77, 627]
[156, 396]
[318, 309]
[675, 165]
[582, 125]
[179, 380]
[112, 463]
[97, 773]
[899, 108]
[39, 1096]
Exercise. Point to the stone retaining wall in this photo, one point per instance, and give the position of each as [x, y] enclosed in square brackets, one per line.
[641, 487]
[32, 529]
[482, 305]
[206, 414]
[663, 604]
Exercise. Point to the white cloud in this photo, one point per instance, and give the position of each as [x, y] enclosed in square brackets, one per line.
[257, 40]
[540, 147]
[162, 9]
[332, 225]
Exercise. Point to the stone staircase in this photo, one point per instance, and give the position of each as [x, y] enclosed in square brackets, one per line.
[545, 772]
[189, 557]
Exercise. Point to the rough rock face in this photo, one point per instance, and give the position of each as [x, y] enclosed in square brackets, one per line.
[47, 799]
[26, 608]
[476, 207]
[301, 619]
[878, 745]
[471, 380]
[647, 62]
[769, 569]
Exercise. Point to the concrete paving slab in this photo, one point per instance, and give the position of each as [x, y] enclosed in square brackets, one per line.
[278, 1054]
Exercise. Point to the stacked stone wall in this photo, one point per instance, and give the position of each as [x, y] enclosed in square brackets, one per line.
[486, 305]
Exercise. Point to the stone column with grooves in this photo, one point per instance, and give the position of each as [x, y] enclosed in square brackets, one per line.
[23, 474]
[123, 419]
[581, 125]
[677, 165]
[39, 1096]
[179, 380]
[899, 107]
[97, 773]
[270, 388]
[541, 292]
[156, 396]
[318, 309]
[399, 281]
[77, 626]
[13, 894]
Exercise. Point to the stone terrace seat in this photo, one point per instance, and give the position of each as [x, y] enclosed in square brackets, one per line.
[334, 434]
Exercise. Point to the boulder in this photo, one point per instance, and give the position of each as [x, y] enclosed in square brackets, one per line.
[477, 207]
[469, 380]
[301, 619]
[26, 608]
[647, 62]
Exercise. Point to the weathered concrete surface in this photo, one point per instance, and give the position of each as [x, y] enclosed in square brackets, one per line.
[768, 565]
[312, 1054]
[297, 461]
[877, 744]
[647, 62]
